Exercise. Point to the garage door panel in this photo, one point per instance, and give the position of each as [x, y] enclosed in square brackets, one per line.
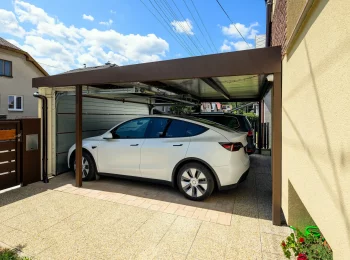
[98, 116]
[90, 122]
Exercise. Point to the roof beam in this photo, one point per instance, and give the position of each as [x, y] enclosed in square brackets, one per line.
[248, 62]
[174, 89]
[217, 87]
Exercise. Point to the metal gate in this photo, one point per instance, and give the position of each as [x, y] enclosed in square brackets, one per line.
[9, 154]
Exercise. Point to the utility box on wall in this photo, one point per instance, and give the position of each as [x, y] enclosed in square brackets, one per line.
[30, 150]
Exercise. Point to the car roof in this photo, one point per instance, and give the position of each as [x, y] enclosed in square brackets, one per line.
[217, 114]
[192, 119]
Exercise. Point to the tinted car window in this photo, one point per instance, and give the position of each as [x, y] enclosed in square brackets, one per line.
[132, 129]
[193, 129]
[177, 128]
[211, 123]
[228, 121]
[157, 127]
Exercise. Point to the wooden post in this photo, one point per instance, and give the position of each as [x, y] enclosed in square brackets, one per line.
[259, 127]
[78, 135]
[276, 149]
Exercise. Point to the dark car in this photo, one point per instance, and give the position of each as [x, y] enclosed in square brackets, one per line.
[238, 123]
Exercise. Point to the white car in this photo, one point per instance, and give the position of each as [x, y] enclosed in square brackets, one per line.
[192, 154]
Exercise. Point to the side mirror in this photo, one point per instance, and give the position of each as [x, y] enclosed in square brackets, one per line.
[108, 136]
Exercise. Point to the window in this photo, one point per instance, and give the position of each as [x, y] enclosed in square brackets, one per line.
[228, 121]
[5, 68]
[15, 103]
[211, 123]
[132, 129]
[193, 129]
[177, 128]
[157, 127]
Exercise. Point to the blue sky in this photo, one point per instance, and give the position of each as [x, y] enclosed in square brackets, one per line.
[66, 34]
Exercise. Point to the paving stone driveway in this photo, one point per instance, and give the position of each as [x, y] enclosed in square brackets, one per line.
[120, 219]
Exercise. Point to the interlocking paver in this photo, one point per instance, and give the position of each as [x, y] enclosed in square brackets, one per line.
[116, 219]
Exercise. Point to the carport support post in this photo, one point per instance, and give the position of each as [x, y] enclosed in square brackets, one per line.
[260, 127]
[276, 148]
[78, 135]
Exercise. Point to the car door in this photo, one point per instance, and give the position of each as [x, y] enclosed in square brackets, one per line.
[121, 154]
[165, 146]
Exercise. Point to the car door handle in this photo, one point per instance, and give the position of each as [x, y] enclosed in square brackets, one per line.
[177, 144]
[134, 145]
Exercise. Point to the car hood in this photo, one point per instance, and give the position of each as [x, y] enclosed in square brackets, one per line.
[94, 138]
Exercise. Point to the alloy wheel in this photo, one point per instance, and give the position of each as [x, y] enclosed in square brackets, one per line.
[194, 182]
[85, 167]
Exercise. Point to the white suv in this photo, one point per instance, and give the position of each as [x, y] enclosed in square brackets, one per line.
[192, 154]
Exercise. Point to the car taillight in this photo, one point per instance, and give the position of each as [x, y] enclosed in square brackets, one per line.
[250, 133]
[232, 146]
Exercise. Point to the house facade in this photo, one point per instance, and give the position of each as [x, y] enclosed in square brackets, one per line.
[315, 40]
[17, 68]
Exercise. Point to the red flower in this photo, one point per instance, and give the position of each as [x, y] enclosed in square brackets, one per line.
[301, 240]
[302, 256]
[283, 244]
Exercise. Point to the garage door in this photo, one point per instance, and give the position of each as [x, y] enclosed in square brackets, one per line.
[98, 116]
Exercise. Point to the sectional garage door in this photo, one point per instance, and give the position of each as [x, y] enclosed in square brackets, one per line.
[98, 116]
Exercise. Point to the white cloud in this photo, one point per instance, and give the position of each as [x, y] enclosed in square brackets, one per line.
[63, 47]
[107, 23]
[183, 26]
[244, 30]
[225, 47]
[88, 17]
[241, 45]
[9, 24]
[29, 13]
[112, 11]
[253, 33]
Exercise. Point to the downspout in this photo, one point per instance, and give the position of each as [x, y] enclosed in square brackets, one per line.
[268, 23]
[44, 131]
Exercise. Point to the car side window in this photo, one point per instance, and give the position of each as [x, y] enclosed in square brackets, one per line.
[157, 127]
[193, 129]
[132, 129]
[177, 128]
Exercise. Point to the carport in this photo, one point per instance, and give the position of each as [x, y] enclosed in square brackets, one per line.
[225, 77]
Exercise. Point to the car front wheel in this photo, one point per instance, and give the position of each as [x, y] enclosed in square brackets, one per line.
[195, 181]
[88, 167]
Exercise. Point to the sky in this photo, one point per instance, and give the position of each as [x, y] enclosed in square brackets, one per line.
[69, 34]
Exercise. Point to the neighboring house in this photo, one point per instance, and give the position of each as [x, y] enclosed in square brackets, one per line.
[315, 41]
[211, 107]
[17, 68]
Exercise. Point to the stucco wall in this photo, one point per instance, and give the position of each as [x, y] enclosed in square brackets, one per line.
[316, 123]
[21, 84]
[294, 9]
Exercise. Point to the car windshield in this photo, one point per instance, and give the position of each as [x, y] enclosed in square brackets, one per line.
[208, 122]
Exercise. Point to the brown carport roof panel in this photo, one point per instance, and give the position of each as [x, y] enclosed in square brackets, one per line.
[249, 62]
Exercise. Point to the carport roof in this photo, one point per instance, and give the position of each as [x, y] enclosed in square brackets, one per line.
[228, 76]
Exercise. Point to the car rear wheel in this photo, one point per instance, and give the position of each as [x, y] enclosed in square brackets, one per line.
[195, 181]
[88, 167]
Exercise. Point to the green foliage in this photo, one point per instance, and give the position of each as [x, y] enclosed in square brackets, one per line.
[180, 109]
[306, 247]
[10, 254]
[251, 116]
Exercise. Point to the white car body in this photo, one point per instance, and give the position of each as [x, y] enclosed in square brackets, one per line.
[157, 158]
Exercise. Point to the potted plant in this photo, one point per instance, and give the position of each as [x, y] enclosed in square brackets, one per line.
[308, 246]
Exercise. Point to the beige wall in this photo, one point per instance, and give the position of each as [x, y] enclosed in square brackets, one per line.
[294, 9]
[21, 84]
[316, 123]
